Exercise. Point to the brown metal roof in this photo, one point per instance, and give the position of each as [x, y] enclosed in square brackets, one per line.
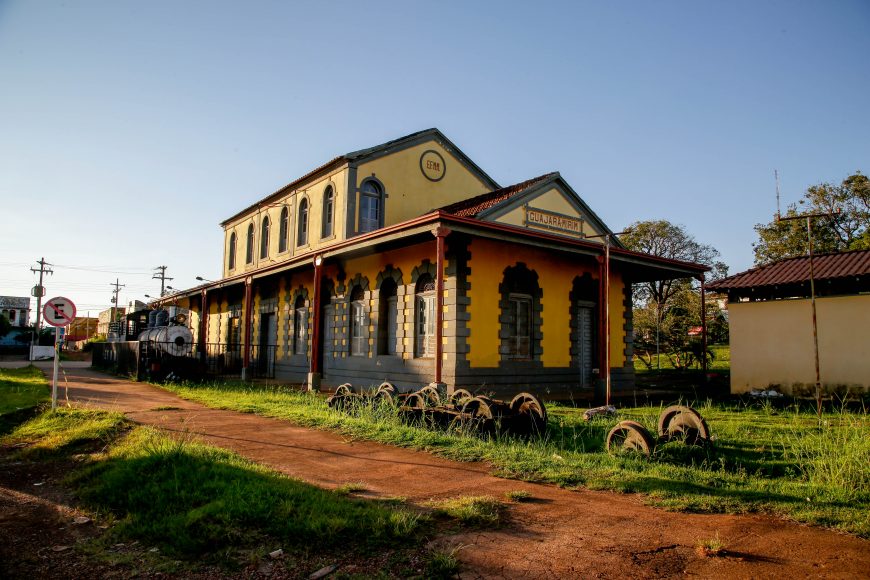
[835, 266]
[474, 205]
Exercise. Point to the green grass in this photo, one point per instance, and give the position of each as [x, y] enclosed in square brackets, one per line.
[22, 389]
[711, 547]
[481, 510]
[65, 429]
[763, 460]
[442, 564]
[518, 495]
[721, 360]
[350, 487]
[191, 499]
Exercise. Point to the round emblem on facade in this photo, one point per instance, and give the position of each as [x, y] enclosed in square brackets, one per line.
[432, 165]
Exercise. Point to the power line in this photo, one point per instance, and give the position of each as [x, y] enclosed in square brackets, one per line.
[163, 278]
[39, 291]
[116, 291]
[105, 270]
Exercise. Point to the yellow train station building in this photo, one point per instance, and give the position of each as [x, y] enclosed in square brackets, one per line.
[406, 262]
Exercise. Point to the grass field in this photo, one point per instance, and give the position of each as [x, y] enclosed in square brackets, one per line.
[22, 389]
[763, 460]
[721, 360]
[193, 500]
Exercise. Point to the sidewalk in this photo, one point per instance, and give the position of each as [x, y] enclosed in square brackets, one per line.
[560, 534]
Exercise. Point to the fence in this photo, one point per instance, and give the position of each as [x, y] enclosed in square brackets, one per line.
[158, 360]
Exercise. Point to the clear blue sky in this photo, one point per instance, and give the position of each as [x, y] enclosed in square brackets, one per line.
[129, 130]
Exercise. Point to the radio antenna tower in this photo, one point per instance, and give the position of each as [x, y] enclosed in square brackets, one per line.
[776, 175]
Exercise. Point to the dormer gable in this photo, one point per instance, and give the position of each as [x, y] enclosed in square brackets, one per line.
[545, 204]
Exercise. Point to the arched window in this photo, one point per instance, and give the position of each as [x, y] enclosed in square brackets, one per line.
[11, 316]
[283, 229]
[232, 252]
[300, 324]
[249, 246]
[387, 317]
[357, 323]
[328, 212]
[424, 307]
[370, 211]
[264, 238]
[520, 307]
[302, 217]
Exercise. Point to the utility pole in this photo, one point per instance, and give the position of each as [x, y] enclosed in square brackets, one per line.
[116, 291]
[162, 277]
[809, 217]
[39, 292]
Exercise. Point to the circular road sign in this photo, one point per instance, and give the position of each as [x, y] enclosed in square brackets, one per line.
[59, 311]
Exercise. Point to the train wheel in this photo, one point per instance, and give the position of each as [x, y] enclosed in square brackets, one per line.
[530, 414]
[430, 395]
[629, 437]
[681, 423]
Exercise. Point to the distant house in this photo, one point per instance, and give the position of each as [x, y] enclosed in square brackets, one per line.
[771, 328]
[81, 328]
[16, 309]
[107, 316]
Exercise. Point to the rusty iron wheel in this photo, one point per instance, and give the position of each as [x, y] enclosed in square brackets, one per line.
[388, 386]
[629, 437]
[344, 390]
[477, 408]
[459, 396]
[385, 396]
[531, 411]
[415, 401]
[430, 395]
[681, 423]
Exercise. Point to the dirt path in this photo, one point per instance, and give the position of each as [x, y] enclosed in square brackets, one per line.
[561, 534]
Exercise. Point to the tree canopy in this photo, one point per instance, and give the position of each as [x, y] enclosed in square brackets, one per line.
[846, 225]
[665, 310]
[662, 238]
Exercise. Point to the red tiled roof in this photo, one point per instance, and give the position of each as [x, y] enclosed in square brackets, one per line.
[797, 270]
[474, 205]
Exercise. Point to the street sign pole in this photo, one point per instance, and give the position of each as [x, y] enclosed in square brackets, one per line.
[59, 312]
[56, 366]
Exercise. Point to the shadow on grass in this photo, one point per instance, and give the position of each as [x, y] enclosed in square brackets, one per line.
[191, 499]
[672, 488]
[10, 421]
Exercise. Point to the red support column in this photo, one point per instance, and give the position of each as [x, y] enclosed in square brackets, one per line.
[314, 364]
[602, 328]
[703, 327]
[440, 234]
[249, 308]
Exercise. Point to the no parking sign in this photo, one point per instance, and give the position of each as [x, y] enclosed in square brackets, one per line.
[59, 311]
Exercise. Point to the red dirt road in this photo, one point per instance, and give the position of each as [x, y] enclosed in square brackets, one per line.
[561, 534]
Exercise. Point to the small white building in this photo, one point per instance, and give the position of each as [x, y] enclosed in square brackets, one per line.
[16, 309]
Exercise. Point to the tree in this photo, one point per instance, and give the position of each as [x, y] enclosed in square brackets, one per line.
[5, 325]
[665, 310]
[662, 238]
[845, 227]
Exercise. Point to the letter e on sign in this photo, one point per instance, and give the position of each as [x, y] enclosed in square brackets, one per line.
[59, 311]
